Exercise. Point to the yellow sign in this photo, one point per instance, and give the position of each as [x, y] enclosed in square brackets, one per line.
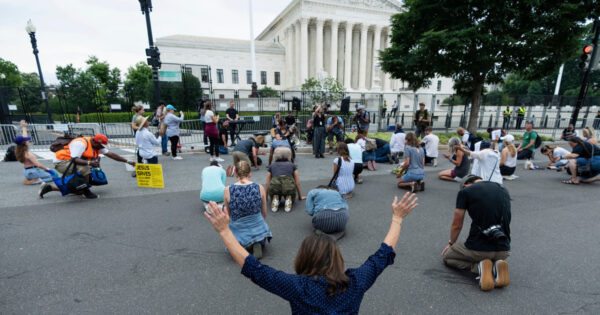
[149, 175]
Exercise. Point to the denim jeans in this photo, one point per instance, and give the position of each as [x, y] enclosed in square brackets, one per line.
[35, 172]
[163, 143]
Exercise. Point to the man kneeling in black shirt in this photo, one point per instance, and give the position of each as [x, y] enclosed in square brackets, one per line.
[488, 243]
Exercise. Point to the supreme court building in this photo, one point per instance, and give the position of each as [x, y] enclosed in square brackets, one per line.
[310, 37]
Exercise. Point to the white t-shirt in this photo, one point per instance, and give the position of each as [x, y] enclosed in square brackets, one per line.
[496, 134]
[362, 143]
[489, 165]
[208, 115]
[397, 142]
[77, 148]
[465, 138]
[431, 145]
[355, 153]
[559, 153]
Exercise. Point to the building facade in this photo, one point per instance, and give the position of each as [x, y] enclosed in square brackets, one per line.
[309, 38]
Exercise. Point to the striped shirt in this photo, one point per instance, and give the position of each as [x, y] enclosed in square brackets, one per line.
[345, 180]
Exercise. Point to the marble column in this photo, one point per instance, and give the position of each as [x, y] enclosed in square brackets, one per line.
[297, 48]
[362, 68]
[348, 56]
[387, 79]
[289, 62]
[303, 49]
[375, 77]
[334, 49]
[319, 47]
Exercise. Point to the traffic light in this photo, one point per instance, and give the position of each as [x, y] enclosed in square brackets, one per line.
[154, 55]
[586, 56]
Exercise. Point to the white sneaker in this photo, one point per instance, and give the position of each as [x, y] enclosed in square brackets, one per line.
[177, 158]
[275, 203]
[219, 159]
[434, 162]
[211, 159]
[288, 203]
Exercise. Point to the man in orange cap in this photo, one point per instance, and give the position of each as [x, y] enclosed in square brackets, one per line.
[85, 152]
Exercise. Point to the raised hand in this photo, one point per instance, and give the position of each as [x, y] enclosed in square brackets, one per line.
[405, 206]
[218, 217]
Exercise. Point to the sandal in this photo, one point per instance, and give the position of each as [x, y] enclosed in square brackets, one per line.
[569, 182]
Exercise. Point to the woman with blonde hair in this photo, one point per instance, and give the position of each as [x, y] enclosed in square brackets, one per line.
[414, 159]
[246, 204]
[508, 159]
[283, 180]
[34, 172]
[589, 135]
[462, 164]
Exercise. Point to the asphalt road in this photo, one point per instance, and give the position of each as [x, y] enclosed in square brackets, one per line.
[151, 251]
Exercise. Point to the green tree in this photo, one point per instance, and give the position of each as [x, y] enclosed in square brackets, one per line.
[78, 88]
[13, 79]
[268, 92]
[32, 96]
[329, 89]
[478, 42]
[138, 83]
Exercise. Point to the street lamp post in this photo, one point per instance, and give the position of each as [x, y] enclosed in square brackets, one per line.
[30, 28]
[152, 52]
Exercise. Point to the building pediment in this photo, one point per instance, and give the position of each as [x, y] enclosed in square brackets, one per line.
[390, 5]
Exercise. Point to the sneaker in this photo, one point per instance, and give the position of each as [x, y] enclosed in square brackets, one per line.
[218, 159]
[44, 189]
[288, 203]
[177, 158]
[390, 159]
[88, 194]
[212, 159]
[275, 203]
[257, 250]
[166, 153]
[486, 279]
[501, 277]
[434, 162]
[348, 195]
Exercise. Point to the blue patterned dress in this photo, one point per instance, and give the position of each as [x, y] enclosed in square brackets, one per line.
[247, 223]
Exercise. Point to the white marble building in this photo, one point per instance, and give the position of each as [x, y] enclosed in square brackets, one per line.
[340, 37]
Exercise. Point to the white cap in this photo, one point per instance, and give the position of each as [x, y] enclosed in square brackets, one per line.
[508, 138]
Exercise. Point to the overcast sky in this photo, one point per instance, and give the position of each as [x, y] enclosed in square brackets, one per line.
[68, 31]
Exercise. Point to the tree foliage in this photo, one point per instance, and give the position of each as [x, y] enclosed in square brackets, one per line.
[329, 89]
[478, 42]
[268, 92]
[138, 83]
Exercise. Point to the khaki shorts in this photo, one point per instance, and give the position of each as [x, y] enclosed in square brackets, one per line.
[61, 167]
[240, 156]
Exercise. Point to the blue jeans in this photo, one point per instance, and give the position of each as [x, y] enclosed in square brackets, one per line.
[411, 177]
[561, 163]
[381, 153]
[164, 140]
[35, 172]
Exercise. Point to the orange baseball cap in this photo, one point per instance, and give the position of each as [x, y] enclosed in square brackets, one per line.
[102, 139]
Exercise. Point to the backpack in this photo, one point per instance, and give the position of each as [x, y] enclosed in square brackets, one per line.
[473, 139]
[63, 141]
[154, 120]
[371, 144]
[538, 140]
[10, 154]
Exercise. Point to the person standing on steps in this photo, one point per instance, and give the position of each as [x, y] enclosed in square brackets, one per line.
[421, 121]
[394, 109]
[520, 115]
[172, 132]
[488, 243]
[231, 114]
[506, 118]
[383, 109]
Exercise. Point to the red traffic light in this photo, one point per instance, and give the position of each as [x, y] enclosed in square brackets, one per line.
[587, 49]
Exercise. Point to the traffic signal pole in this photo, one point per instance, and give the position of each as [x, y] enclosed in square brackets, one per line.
[152, 52]
[586, 75]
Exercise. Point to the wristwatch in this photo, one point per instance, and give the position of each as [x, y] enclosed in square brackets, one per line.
[450, 243]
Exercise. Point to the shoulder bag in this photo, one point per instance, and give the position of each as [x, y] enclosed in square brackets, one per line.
[97, 177]
[74, 183]
[332, 183]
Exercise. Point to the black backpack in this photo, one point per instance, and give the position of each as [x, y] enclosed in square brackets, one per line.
[538, 140]
[10, 154]
[473, 139]
[63, 141]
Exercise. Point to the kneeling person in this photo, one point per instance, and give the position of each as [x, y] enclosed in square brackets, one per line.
[488, 243]
[84, 152]
[283, 180]
[328, 209]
